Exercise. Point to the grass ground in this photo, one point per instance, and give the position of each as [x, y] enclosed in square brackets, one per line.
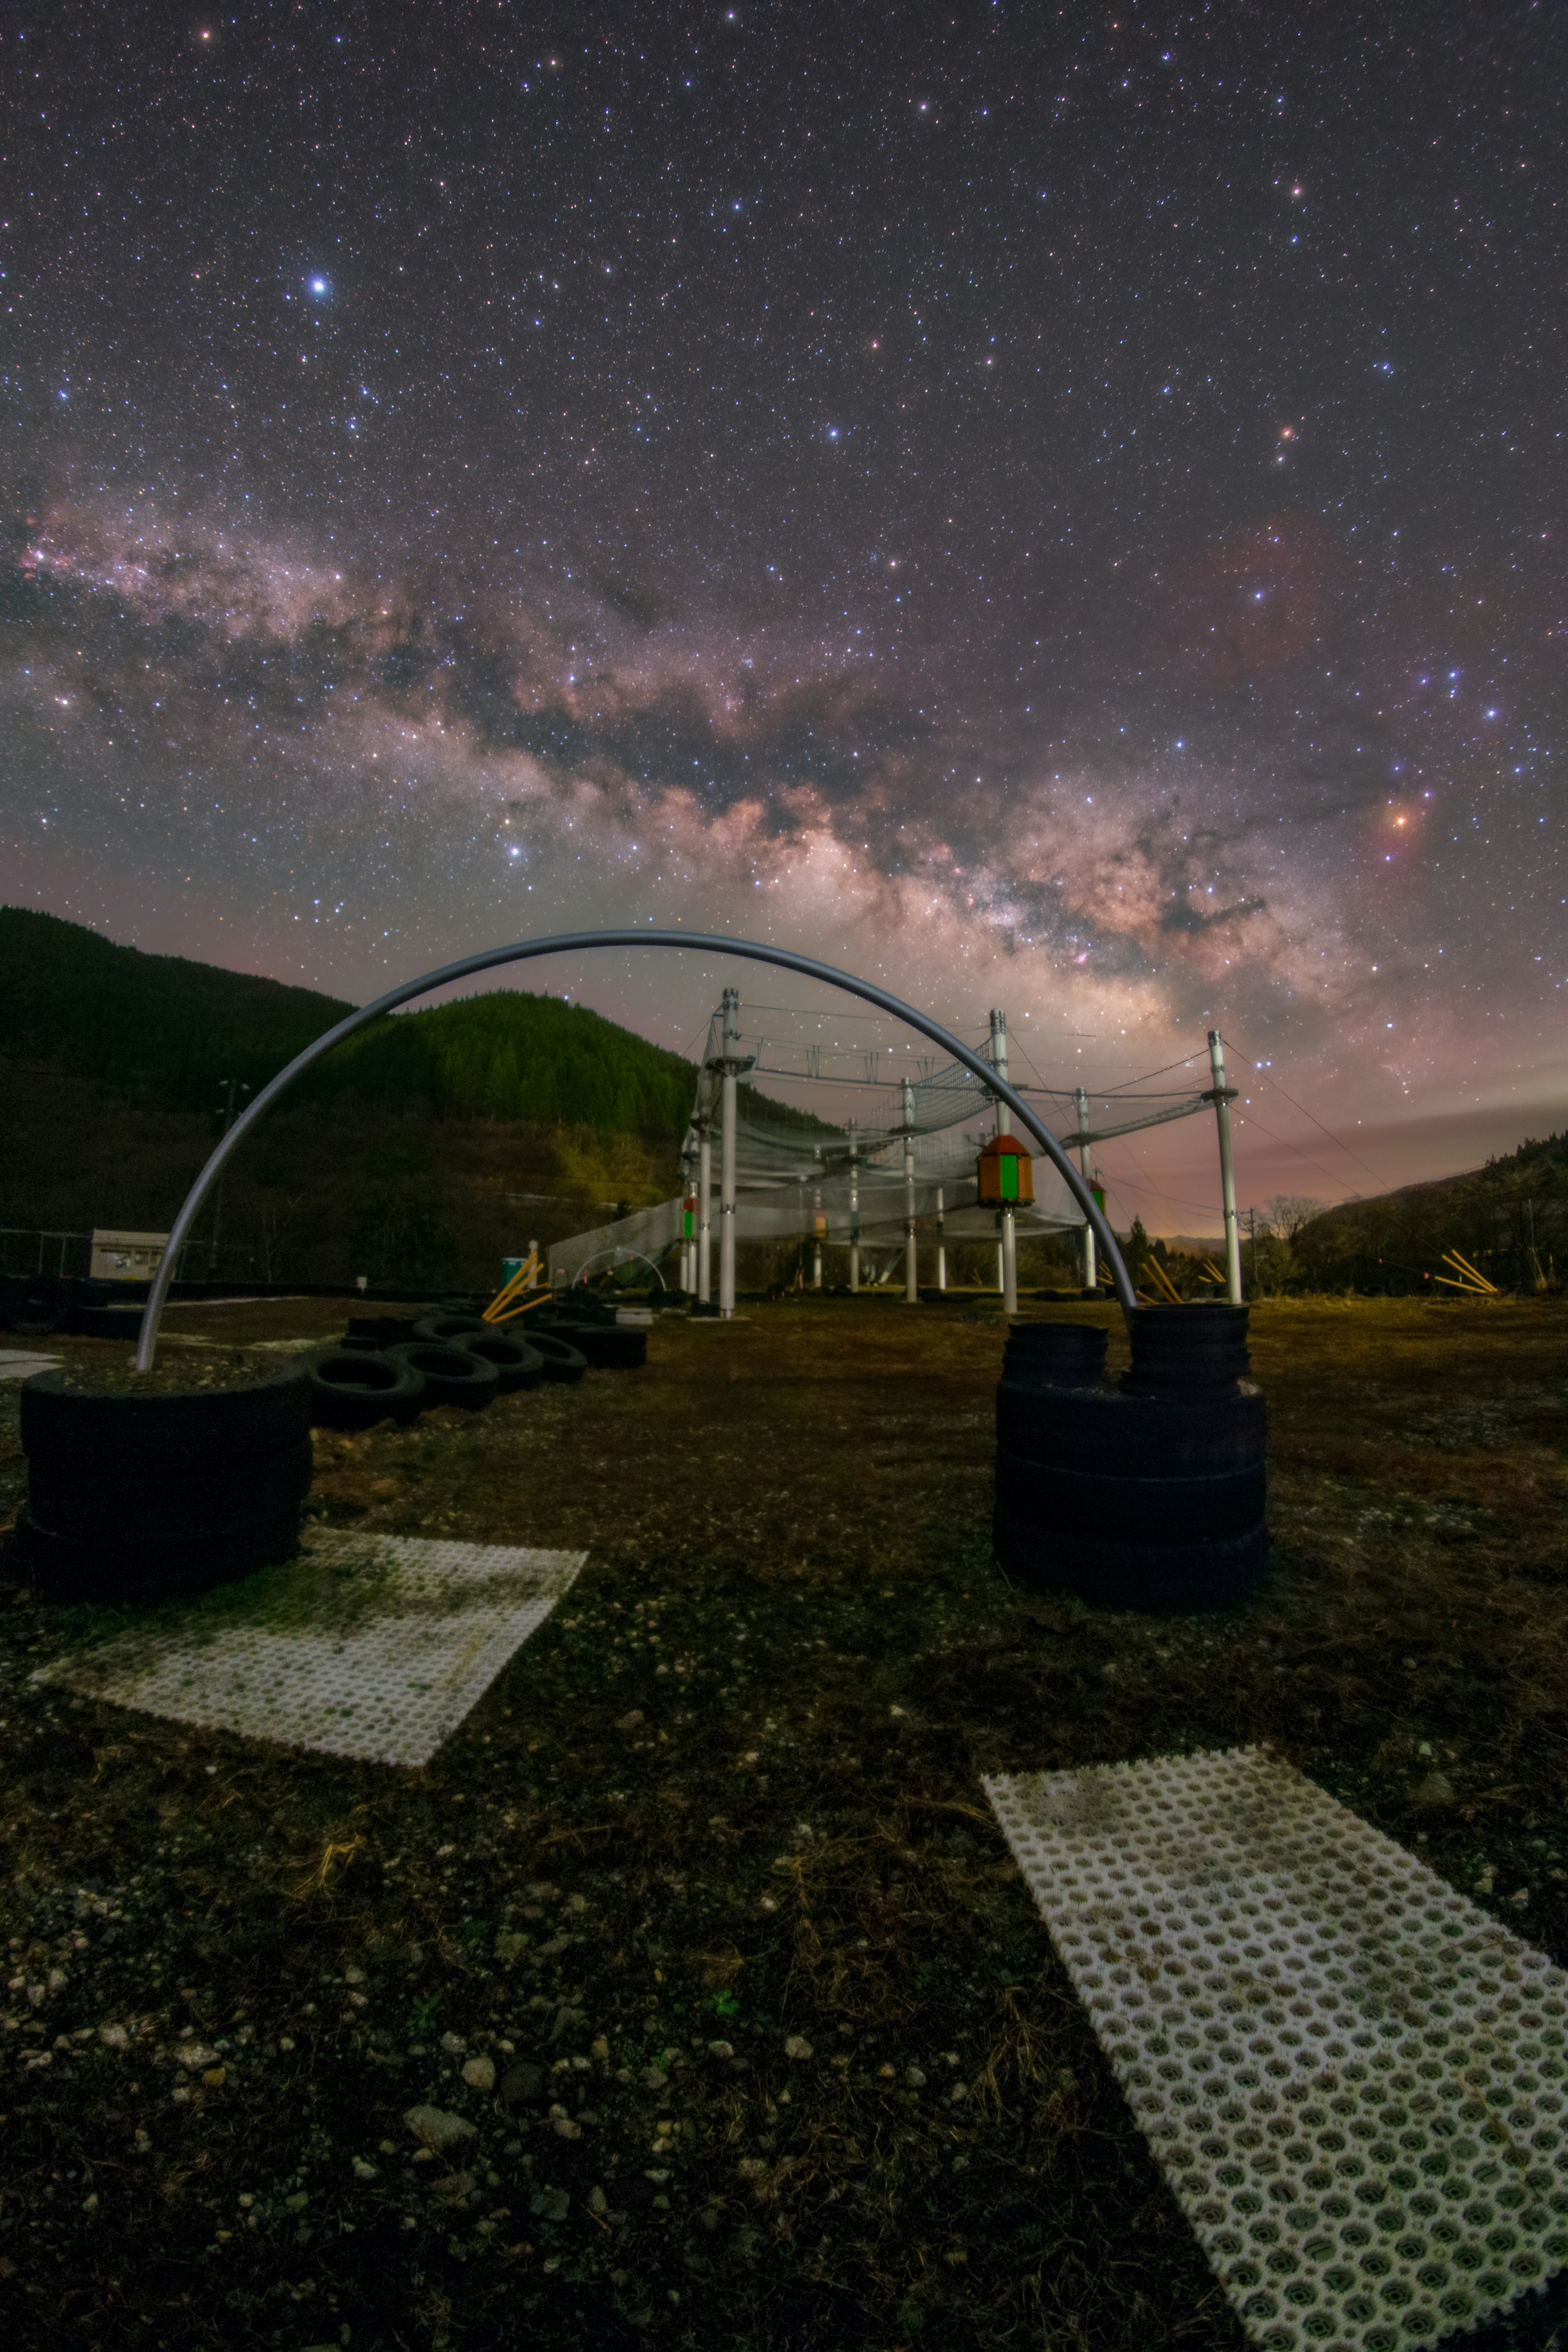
[724, 1805]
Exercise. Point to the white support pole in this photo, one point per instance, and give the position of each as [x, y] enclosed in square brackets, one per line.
[731, 1007]
[940, 1244]
[912, 1263]
[1007, 1252]
[1222, 1094]
[533, 1282]
[816, 1238]
[1091, 1271]
[705, 1213]
[854, 1211]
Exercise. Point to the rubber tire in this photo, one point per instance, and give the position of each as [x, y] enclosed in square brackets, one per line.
[1131, 1510]
[129, 1569]
[1177, 1350]
[114, 1436]
[382, 1330]
[519, 1365]
[577, 1308]
[448, 1331]
[109, 1323]
[35, 1305]
[451, 1375]
[1118, 1433]
[608, 1348]
[1156, 1579]
[350, 1388]
[1044, 1354]
[563, 1362]
[207, 1501]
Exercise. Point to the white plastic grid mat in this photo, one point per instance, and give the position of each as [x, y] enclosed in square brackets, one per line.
[1353, 2079]
[370, 1646]
[20, 1364]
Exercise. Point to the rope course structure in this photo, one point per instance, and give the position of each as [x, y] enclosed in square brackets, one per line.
[876, 1183]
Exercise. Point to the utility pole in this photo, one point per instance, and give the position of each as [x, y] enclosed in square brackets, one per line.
[940, 1244]
[854, 1211]
[688, 1215]
[1008, 1268]
[705, 1206]
[231, 1087]
[911, 1268]
[1222, 1097]
[730, 1065]
[1252, 1229]
[1091, 1270]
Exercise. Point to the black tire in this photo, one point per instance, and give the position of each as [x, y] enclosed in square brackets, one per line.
[207, 1502]
[1131, 1510]
[35, 1305]
[451, 1375]
[1159, 1579]
[576, 1307]
[1177, 1349]
[448, 1331]
[562, 1360]
[607, 1346]
[352, 1389]
[111, 1436]
[107, 1323]
[1116, 1432]
[382, 1330]
[134, 1567]
[518, 1365]
[1050, 1354]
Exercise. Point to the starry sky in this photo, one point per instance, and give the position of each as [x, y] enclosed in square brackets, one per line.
[1061, 509]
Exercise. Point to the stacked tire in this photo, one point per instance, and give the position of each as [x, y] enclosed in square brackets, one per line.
[388, 1368]
[35, 1305]
[1151, 1494]
[138, 1499]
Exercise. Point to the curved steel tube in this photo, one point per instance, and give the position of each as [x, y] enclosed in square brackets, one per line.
[703, 942]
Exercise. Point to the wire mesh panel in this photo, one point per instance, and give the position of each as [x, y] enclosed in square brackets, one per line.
[1353, 2079]
[368, 1645]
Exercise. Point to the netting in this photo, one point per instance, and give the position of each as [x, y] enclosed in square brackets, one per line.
[798, 1174]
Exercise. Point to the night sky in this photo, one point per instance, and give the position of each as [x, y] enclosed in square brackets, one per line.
[1056, 508]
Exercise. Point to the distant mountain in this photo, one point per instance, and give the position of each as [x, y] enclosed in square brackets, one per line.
[428, 1147]
[168, 1031]
[508, 1056]
[155, 1027]
[1508, 1218]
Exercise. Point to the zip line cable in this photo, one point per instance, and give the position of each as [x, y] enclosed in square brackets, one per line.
[1333, 1139]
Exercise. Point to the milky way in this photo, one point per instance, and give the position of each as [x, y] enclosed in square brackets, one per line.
[1065, 513]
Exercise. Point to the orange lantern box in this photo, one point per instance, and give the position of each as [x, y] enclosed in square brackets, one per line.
[1005, 1172]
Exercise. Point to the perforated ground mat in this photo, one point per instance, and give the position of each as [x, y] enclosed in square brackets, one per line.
[1353, 2079]
[366, 1645]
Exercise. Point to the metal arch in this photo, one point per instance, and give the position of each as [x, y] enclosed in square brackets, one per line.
[564, 942]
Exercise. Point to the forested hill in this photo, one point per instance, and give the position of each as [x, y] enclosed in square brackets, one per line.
[169, 1031]
[157, 1028]
[512, 1056]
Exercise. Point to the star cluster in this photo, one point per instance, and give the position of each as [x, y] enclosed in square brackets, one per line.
[1062, 509]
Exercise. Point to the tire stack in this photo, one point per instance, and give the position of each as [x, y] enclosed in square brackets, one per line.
[1150, 1495]
[138, 1499]
[389, 1368]
[35, 1305]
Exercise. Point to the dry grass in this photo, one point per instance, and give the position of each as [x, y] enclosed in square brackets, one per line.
[738, 1772]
